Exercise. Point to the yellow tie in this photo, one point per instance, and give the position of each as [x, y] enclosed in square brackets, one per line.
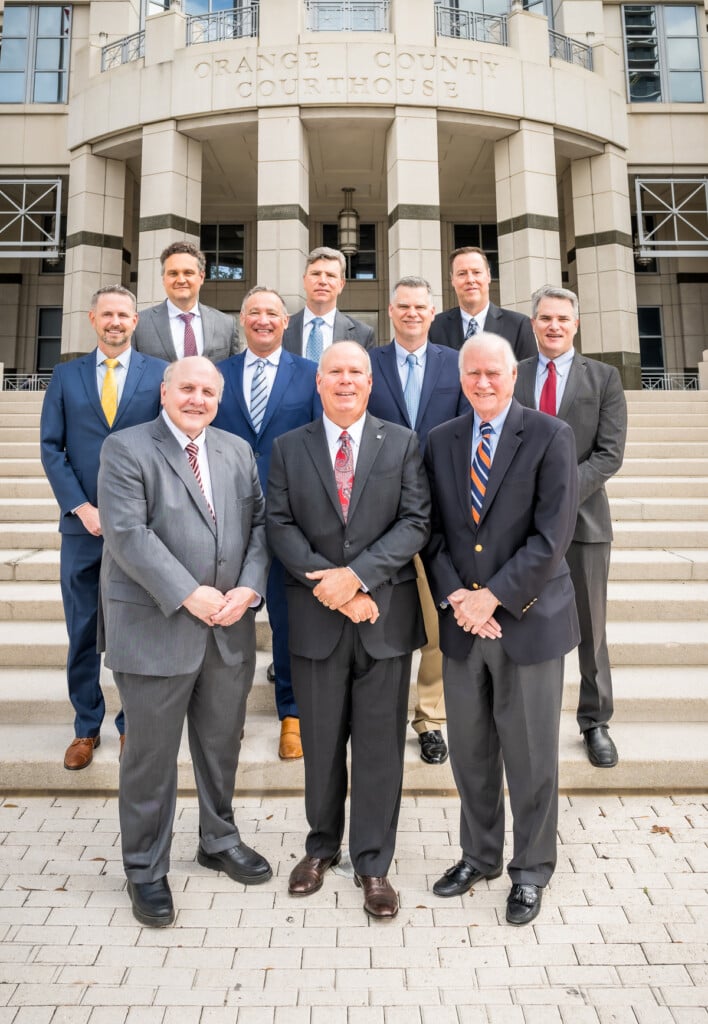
[109, 392]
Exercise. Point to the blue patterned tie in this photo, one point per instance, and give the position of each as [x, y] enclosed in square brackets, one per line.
[315, 341]
[259, 394]
[479, 472]
[411, 392]
[471, 328]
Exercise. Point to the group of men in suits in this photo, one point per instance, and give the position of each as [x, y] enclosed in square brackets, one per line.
[334, 435]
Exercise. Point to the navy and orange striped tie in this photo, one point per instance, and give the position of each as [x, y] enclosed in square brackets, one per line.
[479, 472]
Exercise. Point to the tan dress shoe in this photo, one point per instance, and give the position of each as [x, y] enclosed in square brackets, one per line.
[308, 874]
[122, 744]
[290, 748]
[380, 898]
[79, 753]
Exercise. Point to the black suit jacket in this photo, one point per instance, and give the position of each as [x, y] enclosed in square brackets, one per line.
[594, 407]
[346, 328]
[517, 550]
[446, 329]
[388, 523]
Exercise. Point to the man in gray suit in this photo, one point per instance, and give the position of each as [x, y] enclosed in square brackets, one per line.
[347, 509]
[181, 325]
[471, 277]
[588, 395]
[184, 567]
[315, 327]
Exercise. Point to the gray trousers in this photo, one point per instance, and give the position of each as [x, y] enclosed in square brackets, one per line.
[504, 716]
[213, 699]
[589, 570]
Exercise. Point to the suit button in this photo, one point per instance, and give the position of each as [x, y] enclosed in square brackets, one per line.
[475, 586]
[478, 547]
[257, 455]
[347, 544]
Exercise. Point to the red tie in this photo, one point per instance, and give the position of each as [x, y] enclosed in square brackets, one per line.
[548, 395]
[344, 472]
[190, 342]
[192, 451]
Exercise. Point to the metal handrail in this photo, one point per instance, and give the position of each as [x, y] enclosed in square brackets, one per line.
[123, 51]
[483, 28]
[347, 16]
[236, 23]
[570, 50]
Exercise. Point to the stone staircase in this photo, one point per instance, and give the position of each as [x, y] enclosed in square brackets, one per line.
[658, 629]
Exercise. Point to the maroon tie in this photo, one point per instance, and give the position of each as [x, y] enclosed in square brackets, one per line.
[190, 342]
[548, 394]
[192, 451]
[344, 472]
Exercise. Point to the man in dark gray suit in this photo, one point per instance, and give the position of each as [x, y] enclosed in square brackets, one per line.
[184, 567]
[347, 509]
[315, 327]
[470, 277]
[588, 395]
[181, 325]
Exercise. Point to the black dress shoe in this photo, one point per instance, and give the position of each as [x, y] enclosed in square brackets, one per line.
[270, 673]
[433, 749]
[602, 753]
[523, 904]
[152, 902]
[460, 878]
[240, 863]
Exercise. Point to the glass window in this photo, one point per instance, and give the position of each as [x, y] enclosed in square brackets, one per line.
[223, 246]
[34, 56]
[362, 265]
[48, 337]
[484, 236]
[662, 54]
[651, 347]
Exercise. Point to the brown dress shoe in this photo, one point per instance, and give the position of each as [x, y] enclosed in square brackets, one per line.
[290, 748]
[79, 753]
[380, 899]
[308, 874]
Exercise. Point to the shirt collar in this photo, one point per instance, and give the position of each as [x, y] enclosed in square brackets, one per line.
[273, 358]
[562, 362]
[480, 318]
[403, 353]
[497, 423]
[123, 358]
[327, 317]
[333, 431]
[182, 439]
[175, 311]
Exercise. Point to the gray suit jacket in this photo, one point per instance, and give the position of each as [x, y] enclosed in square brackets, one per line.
[161, 543]
[388, 523]
[594, 407]
[153, 335]
[446, 329]
[346, 328]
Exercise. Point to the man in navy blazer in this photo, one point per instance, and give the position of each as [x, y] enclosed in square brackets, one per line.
[182, 325]
[417, 384]
[288, 399]
[504, 485]
[73, 429]
[470, 277]
[323, 282]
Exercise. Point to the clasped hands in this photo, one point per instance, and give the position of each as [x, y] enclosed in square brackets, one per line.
[474, 612]
[217, 609]
[339, 590]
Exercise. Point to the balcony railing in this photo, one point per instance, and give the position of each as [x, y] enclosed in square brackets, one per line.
[237, 23]
[25, 381]
[570, 50]
[347, 16]
[484, 28]
[664, 380]
[122, 52]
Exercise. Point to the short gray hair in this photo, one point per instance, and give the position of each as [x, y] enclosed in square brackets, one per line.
[113, 289]
[549, 291]
[345, 341]
[323, 252]
[486, 339]
[412, 282]
[257, 289]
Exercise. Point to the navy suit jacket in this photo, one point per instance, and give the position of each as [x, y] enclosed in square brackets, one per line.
[293, 402]
[74, 427]
[518, 548]
[441, 397]
[446, 329]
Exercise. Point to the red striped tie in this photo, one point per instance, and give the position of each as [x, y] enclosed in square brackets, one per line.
[192, 451]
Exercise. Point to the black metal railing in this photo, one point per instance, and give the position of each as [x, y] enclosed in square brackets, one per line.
[484, 28]
[236, 23]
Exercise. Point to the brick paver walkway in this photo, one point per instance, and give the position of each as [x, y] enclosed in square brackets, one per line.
[622, 937]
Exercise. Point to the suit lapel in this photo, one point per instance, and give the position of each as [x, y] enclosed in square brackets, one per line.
[162, 329]
[526, 382]
[178, 462]
[341, 328]
[315, 441]
[575, 377]
[136, 367]
[461, 455]
[372, 438]
[283, 376]
[433, 364]
[389, 371]
[506, 449]
[87, 371]
[218, 485]
[236, 375]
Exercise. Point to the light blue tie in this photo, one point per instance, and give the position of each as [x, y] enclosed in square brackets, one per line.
[315, 341]
[259, 394]
[472, 327]
[411, 392]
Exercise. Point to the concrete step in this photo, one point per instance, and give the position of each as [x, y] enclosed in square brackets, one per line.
[19, 418]
[31, 534]
[29, 564]
[644, 644]
[668, 757]
[642, 487]
[646, 449]
[651, 693]
[35, 601]
[14, 510]
[681, 433]
[23, 434]
[660, 534]
[669, 417]
[28, 488]
[687, 510]
[655, 564]
[656, 601]
[19, 449]
[25, 467]
[686, 467]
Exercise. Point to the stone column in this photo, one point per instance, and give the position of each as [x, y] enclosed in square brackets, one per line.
[170, 201]
[414, 197]
[527, 213]
[605, 266]
[283, 202]
[94, 241]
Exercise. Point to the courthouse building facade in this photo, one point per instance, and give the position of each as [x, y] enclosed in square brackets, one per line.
[570, 141]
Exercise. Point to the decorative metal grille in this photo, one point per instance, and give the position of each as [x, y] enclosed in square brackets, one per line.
[122, 52]
[30, 217]
[237, 23]
[347, 15]
[672, 216]
[484, 28]
[570, 50]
